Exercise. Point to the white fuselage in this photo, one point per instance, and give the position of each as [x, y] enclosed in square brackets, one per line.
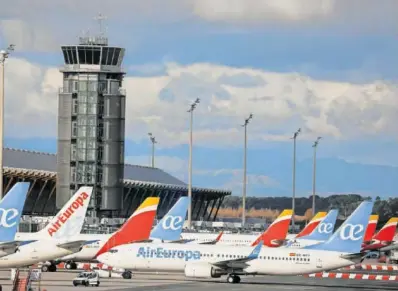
[35, 252]
[171, 257]
[86, 254]
[226, 239]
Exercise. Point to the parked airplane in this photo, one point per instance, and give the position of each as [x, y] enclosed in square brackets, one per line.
[273, 236]
[136, 228]
[203, 261]
[321, 233]
[54, 240]
[384, 237]
[11, 207]
[277, 233]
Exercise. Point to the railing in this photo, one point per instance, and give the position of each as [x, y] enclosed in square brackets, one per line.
[15, 281]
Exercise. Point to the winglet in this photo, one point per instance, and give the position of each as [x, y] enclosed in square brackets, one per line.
[315, 221]
[136, 228]
[170, 226]
[69, 220]
[277, 231]
[12, 206]
[256, 251]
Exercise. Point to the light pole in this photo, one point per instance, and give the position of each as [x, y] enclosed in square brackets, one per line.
[3, 56]
[191, 109]
[153, 141]
[315, 145]
[247, 120]
[294, 175]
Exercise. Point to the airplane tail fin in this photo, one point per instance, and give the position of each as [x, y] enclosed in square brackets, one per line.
[276, 233]
[309, 228]
[136, 228]
[11, 207]
[388, 230]
[325, 229]
[170, 227]
[349, 236]
[371, 229]
[70, 219]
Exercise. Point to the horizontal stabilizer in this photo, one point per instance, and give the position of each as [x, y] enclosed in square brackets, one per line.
[353, 256]
[72, 245]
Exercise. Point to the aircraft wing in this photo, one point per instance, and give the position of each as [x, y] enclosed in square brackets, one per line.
[240, 263]
[391, 247]
[213, 242]
[72, 245]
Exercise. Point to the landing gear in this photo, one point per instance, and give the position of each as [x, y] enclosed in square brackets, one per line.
[49, 268]
[70, 266]
[126, 275]
[233, 279]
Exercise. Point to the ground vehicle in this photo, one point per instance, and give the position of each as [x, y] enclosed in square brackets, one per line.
[393, 257]
[87, 279]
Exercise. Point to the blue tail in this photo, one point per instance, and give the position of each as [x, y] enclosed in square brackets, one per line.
[11, 207]
[325, 229]
[170, 227]
[349, 236]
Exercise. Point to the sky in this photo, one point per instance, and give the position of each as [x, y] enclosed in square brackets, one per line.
[328, 67]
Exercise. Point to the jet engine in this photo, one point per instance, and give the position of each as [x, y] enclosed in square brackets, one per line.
[203, 270]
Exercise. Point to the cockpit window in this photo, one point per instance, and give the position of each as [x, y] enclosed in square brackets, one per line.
[113, 251]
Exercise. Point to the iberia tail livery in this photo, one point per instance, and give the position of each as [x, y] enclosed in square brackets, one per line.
[136, 228]
[370, 230]
[309, 228]
[69, 220]
[388, 231]
[276, 233]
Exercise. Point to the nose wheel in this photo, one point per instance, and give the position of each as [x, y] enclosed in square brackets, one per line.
[233, 279]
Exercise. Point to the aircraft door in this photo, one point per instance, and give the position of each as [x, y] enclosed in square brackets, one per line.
[319, 263]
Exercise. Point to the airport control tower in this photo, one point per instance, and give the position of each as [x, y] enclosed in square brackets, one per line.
[91, 121]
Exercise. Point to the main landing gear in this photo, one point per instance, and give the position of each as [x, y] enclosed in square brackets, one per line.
[70, 266]
[49, 268]
[233, 279]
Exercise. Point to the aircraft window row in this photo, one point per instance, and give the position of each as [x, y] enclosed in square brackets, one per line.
[260, 257]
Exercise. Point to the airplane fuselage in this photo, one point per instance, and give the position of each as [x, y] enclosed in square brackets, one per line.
[169, 257]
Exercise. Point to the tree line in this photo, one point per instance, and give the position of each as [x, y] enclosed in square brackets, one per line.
[269, 207]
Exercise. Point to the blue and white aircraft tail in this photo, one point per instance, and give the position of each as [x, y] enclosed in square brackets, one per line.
[324, 230]
[170, 226]
[11, 207]
[349, 236]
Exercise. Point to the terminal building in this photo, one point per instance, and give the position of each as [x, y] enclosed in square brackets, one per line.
[90, 147]
[139, 182]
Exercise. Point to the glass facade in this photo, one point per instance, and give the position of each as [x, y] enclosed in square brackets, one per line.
[96, 102]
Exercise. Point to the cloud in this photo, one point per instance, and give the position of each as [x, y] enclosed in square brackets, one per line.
[43, 25]
[280, 102]
[348, 15]
[253, 10]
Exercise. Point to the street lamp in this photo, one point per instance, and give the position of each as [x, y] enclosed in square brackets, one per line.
[315, 145]
[191, 109]
[247, 120]
[294, 175]
[3, 56]
[153, 141]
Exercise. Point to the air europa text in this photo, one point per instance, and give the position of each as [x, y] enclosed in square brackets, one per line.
[63, 218]
[162, 253]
